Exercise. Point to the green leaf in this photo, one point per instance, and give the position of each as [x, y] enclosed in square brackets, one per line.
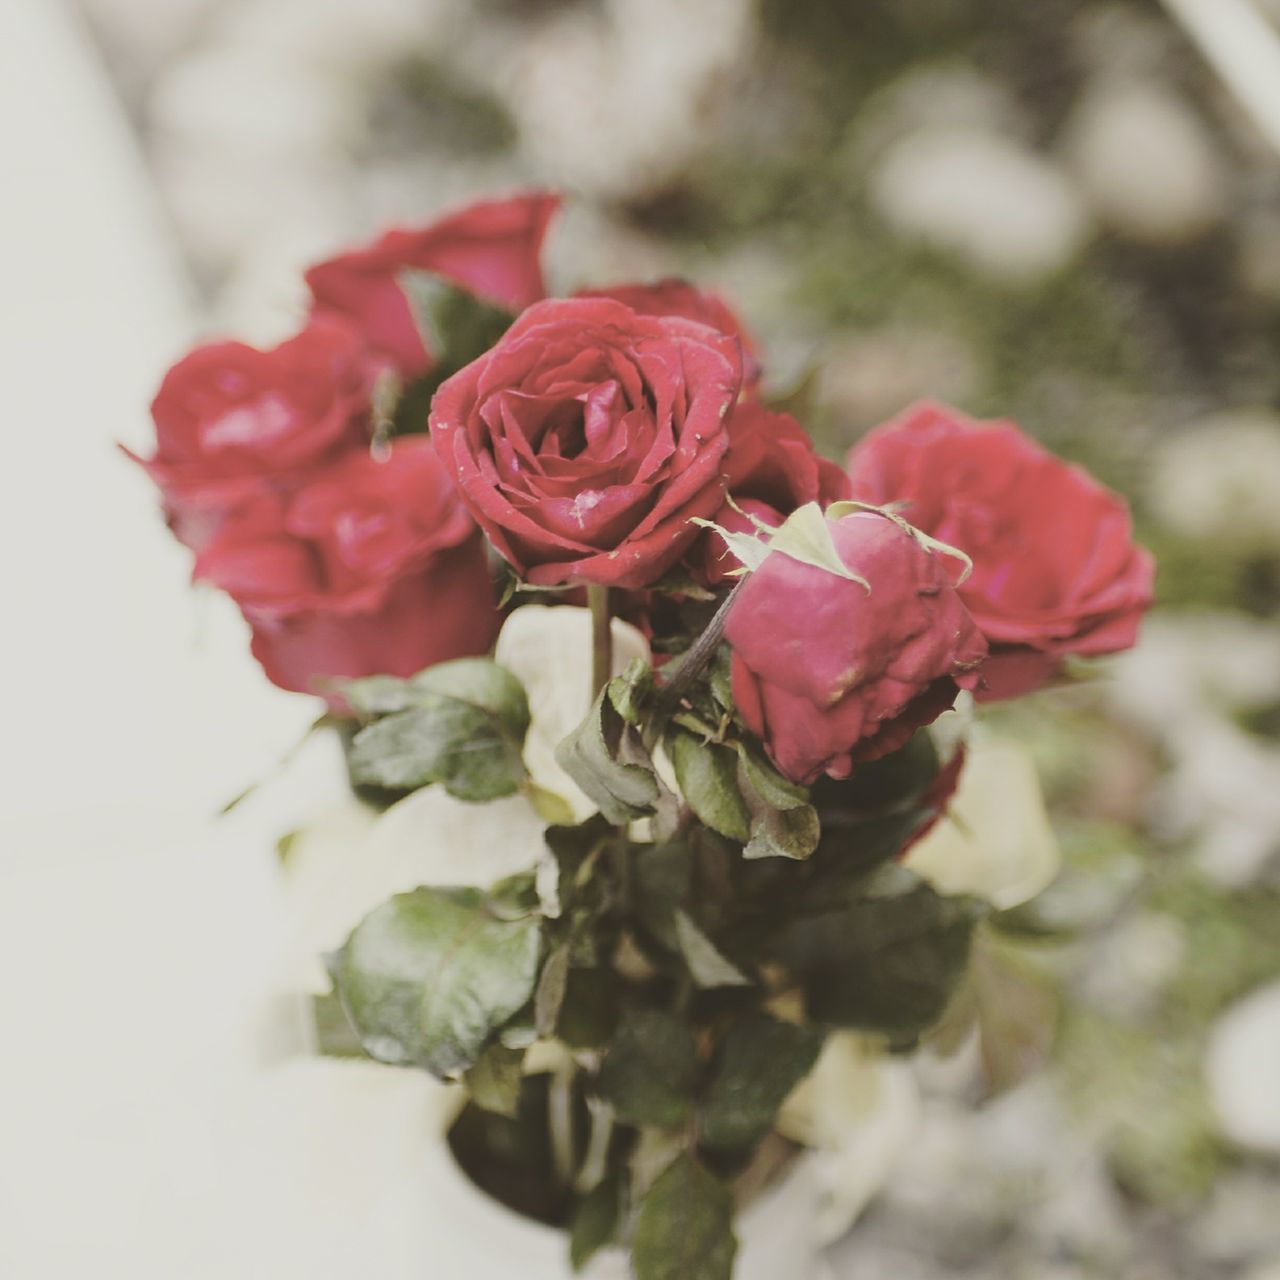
[552, 986]
[758, 776]
[630, 691]
[886, 958]
[684, 1230]
[494, 1082]
[605, 756]
[708, 968]
[335, 1037]
[708, 778]
[649, 1072]
[429, 976]
[460, 723]
[759, 1061]
[595, 1222]
[455, 325]
[783, 833]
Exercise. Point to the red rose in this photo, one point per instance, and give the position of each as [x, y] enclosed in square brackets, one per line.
[1055, 568]
[491, 249]
[374, 568]
[827, 673]
[770, 470]
[586, 440]
[234, 423]
[676, 297]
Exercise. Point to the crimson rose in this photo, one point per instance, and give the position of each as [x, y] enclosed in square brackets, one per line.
[676, 297]
[374, 568]
[234, 424]
[491, 249]
[589, 437]
[828, 673]
[770, 470]
[1055, 568]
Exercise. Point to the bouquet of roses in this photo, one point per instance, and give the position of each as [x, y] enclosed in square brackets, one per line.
[751, 639]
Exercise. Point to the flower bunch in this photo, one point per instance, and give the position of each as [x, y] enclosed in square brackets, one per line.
[726, 795]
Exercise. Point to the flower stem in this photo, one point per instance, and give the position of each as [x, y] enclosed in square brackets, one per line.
[601, 638]
[701, 652]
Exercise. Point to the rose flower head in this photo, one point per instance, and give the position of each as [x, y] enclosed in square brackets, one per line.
[770, 470]
[589, 437]
[374, 568]
[1055, 569]
[830, 670]
[676, 297]
[491, 249]
[235, 424]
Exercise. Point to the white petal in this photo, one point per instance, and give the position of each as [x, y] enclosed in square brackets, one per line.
[857, 1109]
[549, 648]
[996, 841]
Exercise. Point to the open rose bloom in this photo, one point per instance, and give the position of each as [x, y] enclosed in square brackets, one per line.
[676, 824]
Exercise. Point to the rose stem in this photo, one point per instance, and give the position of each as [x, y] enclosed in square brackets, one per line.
[601, 638]
[700, 653]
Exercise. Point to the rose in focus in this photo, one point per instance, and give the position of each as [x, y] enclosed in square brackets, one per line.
[1055, 569]
[491, 250]
[235, 424]
[587, 440]
[828, 672]
[676, 297]
[372, 568]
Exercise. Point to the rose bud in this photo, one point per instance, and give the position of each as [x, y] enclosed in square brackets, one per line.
[491, 249]
[589, 437]
[374, 568]
[235, 424]
[828, 671]
[770, 470]
[676, 297]
[1055, 568]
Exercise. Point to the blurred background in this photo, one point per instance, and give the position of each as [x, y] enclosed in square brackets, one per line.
[1063, 212]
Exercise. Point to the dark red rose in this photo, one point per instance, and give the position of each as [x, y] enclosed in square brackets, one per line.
[827, 673]
[374, 568]
[1055, 568]
[770, 470]
[676, 297]
[234, 423]
[492, 249]
[589, 437]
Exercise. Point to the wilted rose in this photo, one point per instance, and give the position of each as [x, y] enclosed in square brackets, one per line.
[1055, 569]
[588, 438]
[828, 671]
[373, 568]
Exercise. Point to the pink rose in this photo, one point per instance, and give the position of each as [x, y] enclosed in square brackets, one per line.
[589, 437]
[491, 249]
[374, 568]
[235, 424]
[1055, 568]
[827, 673]
[770, 470]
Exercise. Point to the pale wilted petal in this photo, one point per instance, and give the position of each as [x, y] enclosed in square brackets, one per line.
[995, 841]
[548, 647]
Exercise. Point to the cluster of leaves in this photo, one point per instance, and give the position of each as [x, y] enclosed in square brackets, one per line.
[704, 933]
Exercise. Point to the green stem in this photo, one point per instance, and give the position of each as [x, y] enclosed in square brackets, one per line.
[601, 638]
[702, 651]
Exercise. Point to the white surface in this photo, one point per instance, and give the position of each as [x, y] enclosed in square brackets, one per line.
[134, 935]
